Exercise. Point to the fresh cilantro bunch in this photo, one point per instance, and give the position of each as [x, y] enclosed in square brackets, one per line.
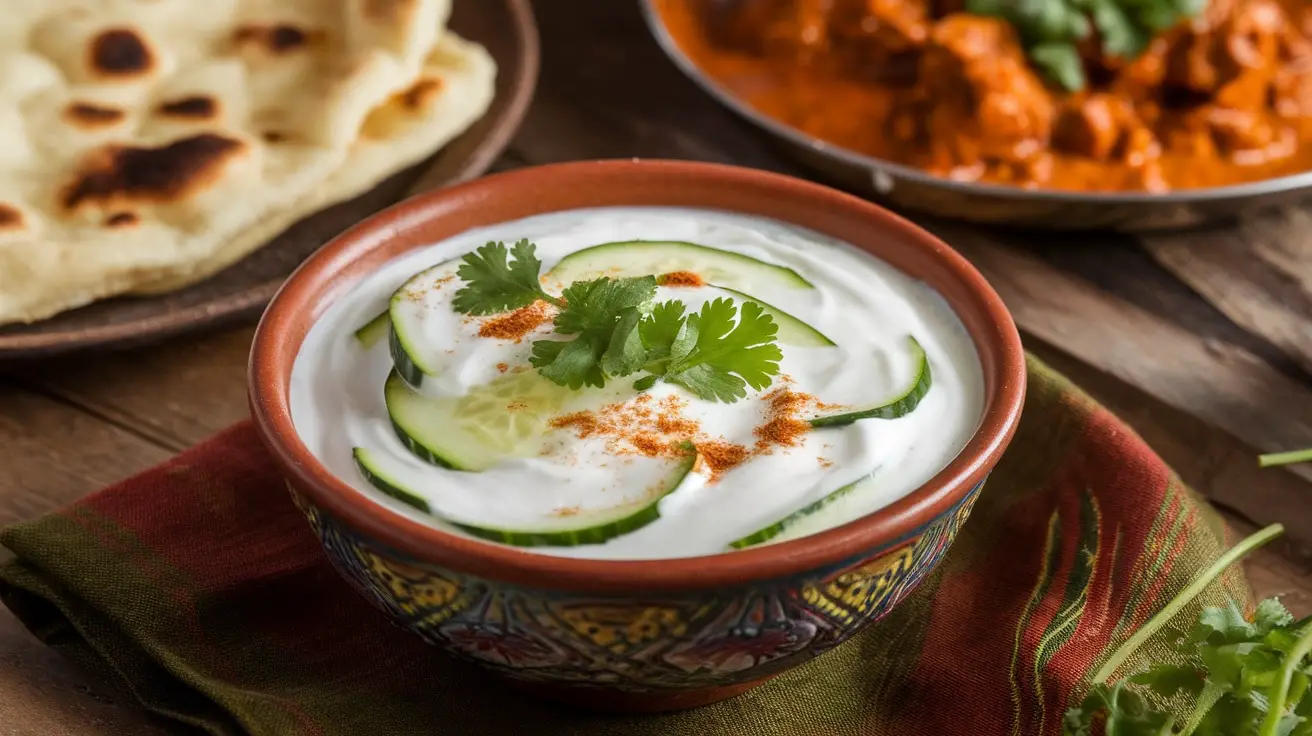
[1243, 677]
[617, 331]
[1051, 29]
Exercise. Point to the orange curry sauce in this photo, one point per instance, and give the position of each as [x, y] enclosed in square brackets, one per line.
[1222, 99]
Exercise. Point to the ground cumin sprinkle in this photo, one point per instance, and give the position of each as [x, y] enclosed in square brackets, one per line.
[681, 278]
[517, 324]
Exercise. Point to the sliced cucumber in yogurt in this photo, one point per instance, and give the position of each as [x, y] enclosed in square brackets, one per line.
[504, 418]
[792, 331]
[413, 359]
[373, 331]
[900, 405]
[594, 527]
[647, 257]
[374, 471]
[767, 533]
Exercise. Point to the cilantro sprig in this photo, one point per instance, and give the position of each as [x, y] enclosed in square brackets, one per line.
[1051, 29]
[496, 281]
[612, 329]
[1239, 675]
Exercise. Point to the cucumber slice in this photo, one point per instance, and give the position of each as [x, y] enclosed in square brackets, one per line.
[504, 418]
[591, 528]
[648, 257]
[406, 313]
[375, 330]
[779, 527]
[373, 471]
[792, 331]
[899, 406]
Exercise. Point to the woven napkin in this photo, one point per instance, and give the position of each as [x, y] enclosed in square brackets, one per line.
[197, 590]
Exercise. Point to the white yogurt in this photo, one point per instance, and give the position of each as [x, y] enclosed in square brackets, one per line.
[861, 303]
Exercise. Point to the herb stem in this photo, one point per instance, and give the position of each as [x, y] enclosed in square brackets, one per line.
[1183, 598]
[1285, 458]
[1206, 699]
[1276, 707]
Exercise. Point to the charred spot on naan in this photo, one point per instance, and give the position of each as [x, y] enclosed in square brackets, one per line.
[117, 175]
[422, 94]
[11, 218]
[86, 115]
[122, 219]
[389, 11]
[194, 107]
[120, 53]
[403, 109]
[276, 39]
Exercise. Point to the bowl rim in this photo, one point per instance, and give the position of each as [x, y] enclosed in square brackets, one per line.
[797, 137]
[312, 288]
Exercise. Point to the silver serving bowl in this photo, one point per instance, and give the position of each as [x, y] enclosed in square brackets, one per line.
[911, 189]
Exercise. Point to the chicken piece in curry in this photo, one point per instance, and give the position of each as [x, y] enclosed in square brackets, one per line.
[1219, 93]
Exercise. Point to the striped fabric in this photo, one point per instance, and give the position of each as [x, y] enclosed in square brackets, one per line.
[197, 590]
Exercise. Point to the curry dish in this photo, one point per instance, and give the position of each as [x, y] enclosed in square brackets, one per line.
[1221, 95]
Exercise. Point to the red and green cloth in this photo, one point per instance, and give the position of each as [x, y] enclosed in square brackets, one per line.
[197, 590]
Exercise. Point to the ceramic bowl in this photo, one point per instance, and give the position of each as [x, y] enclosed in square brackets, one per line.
[635, 635]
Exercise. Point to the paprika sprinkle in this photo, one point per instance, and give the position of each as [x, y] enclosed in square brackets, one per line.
[519, 323]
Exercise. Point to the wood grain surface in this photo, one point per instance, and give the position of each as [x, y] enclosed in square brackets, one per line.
[1193, 338]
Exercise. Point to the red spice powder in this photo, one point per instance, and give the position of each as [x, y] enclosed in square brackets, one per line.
[674, 424]
[503, 367]
[584, 423]
[659, 428]
[721, 456]
[780, 431]
[783, 427]
[416, 294]
[652, 445]
[517, 324]
[681, 278]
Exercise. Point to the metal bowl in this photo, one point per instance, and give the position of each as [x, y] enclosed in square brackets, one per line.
[907, 188]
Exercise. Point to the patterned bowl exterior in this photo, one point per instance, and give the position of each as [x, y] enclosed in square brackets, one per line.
[661, 642]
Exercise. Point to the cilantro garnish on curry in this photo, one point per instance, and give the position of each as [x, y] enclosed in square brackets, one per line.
[1086, 95]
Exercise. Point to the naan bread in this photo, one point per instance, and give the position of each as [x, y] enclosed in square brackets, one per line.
[139, 138]
[454, 89]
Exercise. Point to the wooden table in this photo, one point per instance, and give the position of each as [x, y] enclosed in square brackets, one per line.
[1202, 341]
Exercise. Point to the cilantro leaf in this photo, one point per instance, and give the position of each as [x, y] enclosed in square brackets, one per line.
[745, 348]
[595, 305]
[660, 331]
[1061, 62]
[571, 363]
[603, 315]
[715, 353]
[1050, 29]
[1271, 614]
[625, 354]
[494, 284]
[1125, 713]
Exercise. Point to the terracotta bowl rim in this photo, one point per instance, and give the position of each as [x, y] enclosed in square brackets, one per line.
[893, 524]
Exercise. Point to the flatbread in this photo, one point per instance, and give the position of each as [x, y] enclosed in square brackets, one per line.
[140, 136]
[454, 89]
